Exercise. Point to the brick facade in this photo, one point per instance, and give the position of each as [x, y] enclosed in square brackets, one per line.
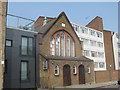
[47, 77]
[2, 38]
[110, 74]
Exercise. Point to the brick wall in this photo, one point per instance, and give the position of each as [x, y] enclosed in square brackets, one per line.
[2, 38]
[110, 74]
[45, 47]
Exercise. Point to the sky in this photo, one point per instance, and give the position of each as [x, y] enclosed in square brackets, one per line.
[78, 12]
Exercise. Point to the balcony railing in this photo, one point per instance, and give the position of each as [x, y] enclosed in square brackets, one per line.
[19, 22]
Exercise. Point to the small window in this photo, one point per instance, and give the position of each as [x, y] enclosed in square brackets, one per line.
[74, 70]
[101, 64]
[56, 70]
[96, 64]
[86, 53]
[63, 24]
[93, 54]
[9, 43]
[45, 65]
[89, 70]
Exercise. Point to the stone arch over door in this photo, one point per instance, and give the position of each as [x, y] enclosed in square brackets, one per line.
[66, 75]
[81, 72]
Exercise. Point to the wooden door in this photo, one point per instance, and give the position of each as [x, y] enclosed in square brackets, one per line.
[81, 74]
[66, 75]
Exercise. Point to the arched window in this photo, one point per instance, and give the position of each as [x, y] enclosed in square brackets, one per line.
[74, 70]
[56, 70]
[67, 46]
[63, 44]
[72, 48]
[58, 45]
[52, 46]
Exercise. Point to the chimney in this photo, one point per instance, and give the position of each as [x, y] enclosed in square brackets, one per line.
[96, 23]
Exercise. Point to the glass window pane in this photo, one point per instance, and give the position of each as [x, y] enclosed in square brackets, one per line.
[9, 43]
[63, 44]
[58, 45]
[67, 46]
[30, 47]
[24, 46]
[24, 70]
[52, 46]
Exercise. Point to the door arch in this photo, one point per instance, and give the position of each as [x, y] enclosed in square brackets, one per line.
[66, 75]
[81, 74]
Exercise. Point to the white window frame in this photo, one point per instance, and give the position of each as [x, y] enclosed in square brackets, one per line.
[103, 65]
[89, 71]
[45, 65]
[74, 69]
[56, 68]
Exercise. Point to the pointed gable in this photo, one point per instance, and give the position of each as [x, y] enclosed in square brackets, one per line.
[57, 22]
[54, 26]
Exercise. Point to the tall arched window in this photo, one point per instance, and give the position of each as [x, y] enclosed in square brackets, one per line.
[63, 44]
[72, 48]
[58, 45]
[67, 46]
[52, 46]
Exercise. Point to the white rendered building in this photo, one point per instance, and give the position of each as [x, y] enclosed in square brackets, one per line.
[116, 49]
[93, 45]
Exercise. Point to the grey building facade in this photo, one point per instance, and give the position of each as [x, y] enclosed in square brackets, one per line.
[21, 59]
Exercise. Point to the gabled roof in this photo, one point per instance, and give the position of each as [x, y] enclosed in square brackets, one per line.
[43, 29]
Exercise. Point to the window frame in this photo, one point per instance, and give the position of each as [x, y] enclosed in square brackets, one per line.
[74, 70]
[56, 67]
[58, 45]
[52, 48]
[27, 70]
[45, 65]
[28, 53]
[11, 43]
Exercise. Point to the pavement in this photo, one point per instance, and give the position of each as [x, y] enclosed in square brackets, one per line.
[93, 85]
[112, 84]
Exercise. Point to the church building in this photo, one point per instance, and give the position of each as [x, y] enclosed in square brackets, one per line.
[60, 54]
